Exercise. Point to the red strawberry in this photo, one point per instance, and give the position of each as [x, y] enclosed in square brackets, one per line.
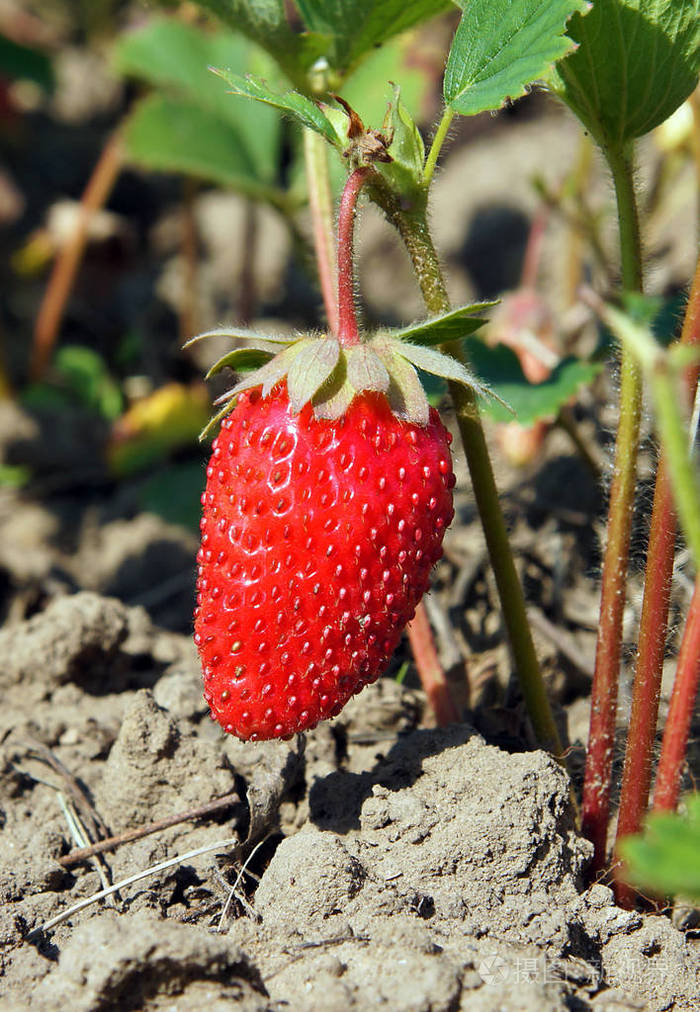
[318, 537]
[328, 495]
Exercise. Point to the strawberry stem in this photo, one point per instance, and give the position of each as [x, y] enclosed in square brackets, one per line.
[680, 712]
[653, 625]
[412, 225]
[348, 333]
[599, 756]
[420, 635]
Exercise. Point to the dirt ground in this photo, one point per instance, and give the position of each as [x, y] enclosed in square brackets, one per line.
[376, 862]
[379, 864]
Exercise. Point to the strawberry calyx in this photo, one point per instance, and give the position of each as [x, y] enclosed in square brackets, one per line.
[322, 371]
[330, 370]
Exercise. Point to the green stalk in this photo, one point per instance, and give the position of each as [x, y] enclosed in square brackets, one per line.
[596, 790]
[413, 228]
[436, 146]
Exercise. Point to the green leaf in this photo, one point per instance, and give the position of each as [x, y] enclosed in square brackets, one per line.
[171, 55]
[265, 22]
[501, 46]
[637, 61]
[85, 373]
[241, 360]
[155, 426]
[500, 368]
[666, 858]
[301, 108]
[19, 62]
[452, 326]
[173, 135]
[79, 376]
[355, 27]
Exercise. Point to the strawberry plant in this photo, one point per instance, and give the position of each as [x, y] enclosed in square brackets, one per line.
[329, 486]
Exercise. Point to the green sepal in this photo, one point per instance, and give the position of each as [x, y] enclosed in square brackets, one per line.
[241, 360]
[452, 326]
[310, 369]
[332, 403]
[437, 364]
[318, 370]
[240, 334]
[365, 369]
[404, 172]
[215, 419]
[407, 397]
[267, 376]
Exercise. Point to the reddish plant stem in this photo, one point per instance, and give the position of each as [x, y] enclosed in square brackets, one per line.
[420, 636]
[636, 778]
[431, 672]
[53, 305]
[601, 739]
[680, 711]
[348, 334]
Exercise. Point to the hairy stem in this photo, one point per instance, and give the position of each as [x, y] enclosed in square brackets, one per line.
[430, 671]
[636, 779]
[653, 626]
[436, 146]
[413, 228]
[596, 790]
[348, 333]
[680, 711]
[321, 204]
[48, 321]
